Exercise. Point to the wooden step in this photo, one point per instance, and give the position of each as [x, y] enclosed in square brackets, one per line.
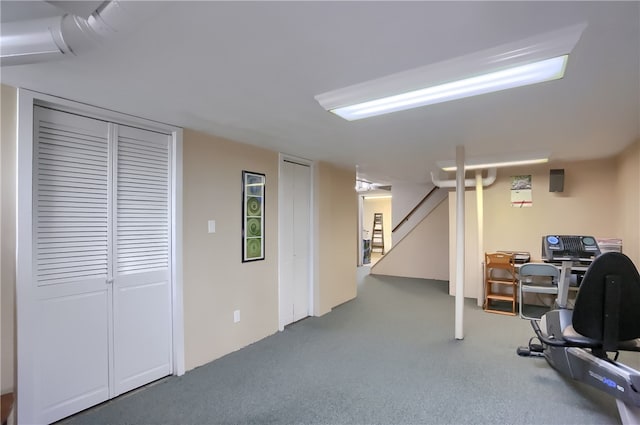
[500, 297]
[506, 313]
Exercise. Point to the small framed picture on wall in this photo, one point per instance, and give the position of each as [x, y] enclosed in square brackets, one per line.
[253, 197]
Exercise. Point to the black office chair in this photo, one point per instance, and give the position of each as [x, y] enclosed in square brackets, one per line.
[606, 314]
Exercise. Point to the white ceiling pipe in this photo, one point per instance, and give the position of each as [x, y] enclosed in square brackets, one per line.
[40, 40]
[491, 177]
[480, 222]
[460, 248]
[31, 41]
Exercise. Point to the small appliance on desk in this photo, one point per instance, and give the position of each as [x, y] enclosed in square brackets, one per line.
[578, 249]
[572, 253]
[519, 257]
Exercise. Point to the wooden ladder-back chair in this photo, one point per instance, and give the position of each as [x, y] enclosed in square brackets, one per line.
[500, 283]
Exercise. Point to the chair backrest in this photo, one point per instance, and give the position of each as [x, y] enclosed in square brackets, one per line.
[607, 307]
[539, 269]
[499, 260]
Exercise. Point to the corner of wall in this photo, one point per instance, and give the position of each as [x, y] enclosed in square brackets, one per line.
[216, 282]
[336, 225]
[424, 252]
[8, 146]
[628, 200]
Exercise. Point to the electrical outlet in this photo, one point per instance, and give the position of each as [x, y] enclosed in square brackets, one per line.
[236, 316]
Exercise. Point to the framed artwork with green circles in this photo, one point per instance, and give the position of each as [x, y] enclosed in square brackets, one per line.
[252, 216]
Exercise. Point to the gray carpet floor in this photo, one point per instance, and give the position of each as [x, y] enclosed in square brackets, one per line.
[387, 357]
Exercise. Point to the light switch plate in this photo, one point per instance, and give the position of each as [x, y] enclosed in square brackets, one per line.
[212, 226]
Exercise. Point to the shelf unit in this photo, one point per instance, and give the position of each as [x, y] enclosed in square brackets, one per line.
[500, 283]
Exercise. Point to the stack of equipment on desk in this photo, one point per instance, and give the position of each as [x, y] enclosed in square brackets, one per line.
[519, 257]
[578, 249]
[584, 343]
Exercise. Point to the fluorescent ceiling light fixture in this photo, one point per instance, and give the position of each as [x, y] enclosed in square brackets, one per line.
[534, 60]
[377, 197]
[496, 162]
[537, 72]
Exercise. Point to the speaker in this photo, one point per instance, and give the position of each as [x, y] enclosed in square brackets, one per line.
[556, 180]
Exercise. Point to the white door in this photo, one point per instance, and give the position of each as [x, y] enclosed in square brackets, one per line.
[295, 242]
[101, 233]
[71, 227]
[142, 289]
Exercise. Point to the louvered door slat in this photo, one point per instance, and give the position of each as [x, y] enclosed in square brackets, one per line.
[61, 138]
[71, 199]
[142, 228]
[60, 170]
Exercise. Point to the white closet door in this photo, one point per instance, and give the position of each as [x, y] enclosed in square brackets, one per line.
[301, 240]
[101, 263]
[71, 330]
[286, 242]
[295, 242]
[142, 289]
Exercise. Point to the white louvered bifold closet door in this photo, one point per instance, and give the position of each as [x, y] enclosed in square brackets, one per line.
[294, 241]
[102, 261]
[71, 263]
[142, 287]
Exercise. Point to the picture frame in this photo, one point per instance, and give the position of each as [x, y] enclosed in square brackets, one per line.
[253, 203]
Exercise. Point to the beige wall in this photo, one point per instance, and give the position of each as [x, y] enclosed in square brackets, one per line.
[586, 207]
[336, 229]
[8, 141]
[423, 253]
[371, 206]
[628, 205]
[216, 282]
[600, 198]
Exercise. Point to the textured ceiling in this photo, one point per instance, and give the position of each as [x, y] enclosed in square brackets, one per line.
[249, 71]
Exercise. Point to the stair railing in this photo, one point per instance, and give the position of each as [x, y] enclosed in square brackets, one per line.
[406, 218]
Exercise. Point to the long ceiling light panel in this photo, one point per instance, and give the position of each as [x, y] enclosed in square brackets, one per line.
[534, 60]
[496, 161]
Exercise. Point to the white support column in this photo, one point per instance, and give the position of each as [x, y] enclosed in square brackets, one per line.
[460, 188]
[479, 213]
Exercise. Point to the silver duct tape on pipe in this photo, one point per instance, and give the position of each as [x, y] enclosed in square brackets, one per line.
[492, 173]
[46, 39]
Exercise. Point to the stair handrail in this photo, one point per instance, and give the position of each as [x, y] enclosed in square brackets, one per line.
[406, 218]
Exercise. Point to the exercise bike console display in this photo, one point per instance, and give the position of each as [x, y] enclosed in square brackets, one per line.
[579, 249]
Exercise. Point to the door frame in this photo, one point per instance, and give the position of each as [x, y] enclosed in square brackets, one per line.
[360, 261]
[311, 279]
[25, 294]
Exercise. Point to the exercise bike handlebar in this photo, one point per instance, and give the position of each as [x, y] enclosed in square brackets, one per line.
[546, 339]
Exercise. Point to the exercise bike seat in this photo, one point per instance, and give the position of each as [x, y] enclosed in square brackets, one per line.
[605, 319]
[606, 314]
[575, 339]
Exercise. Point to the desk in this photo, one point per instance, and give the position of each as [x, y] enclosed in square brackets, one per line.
[567, 268]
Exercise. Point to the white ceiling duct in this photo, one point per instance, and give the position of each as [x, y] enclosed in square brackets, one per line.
[39, 40]
[492, 173]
